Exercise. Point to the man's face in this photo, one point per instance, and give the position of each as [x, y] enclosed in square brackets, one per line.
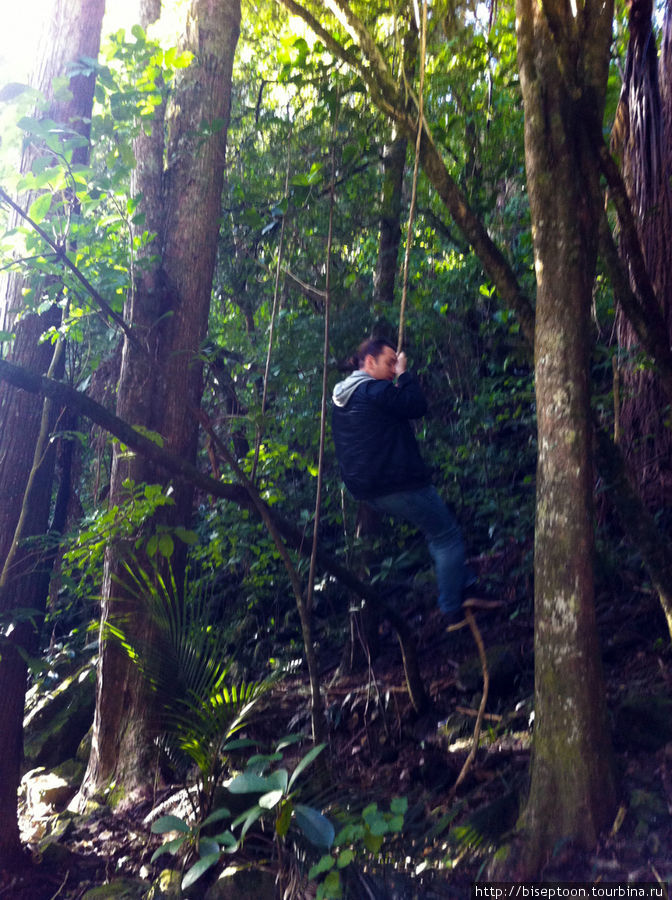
[383, 365]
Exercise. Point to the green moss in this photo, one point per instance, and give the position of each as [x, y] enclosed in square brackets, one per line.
[116, 796]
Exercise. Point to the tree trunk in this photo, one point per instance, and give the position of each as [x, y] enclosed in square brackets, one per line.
[161, 389]
[640, 134]
[572, 791]
[394, 161]
[74, 31]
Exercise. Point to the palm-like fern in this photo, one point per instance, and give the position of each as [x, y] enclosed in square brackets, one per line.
[185, 665]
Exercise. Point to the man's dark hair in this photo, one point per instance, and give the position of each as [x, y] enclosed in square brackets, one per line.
[371, 347]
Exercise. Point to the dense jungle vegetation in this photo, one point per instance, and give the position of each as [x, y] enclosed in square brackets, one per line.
[221, 676]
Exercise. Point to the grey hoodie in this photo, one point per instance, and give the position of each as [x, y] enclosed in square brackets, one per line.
[345, 389]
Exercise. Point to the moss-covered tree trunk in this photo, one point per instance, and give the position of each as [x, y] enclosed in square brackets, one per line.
[563, 68]
[160, 387]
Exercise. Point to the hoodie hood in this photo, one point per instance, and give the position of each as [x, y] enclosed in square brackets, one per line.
[345, 389]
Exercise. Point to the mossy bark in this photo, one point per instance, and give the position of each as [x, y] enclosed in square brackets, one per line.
[161, 388]
[563, 76]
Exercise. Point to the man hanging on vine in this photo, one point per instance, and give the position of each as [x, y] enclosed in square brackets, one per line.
[381, 464]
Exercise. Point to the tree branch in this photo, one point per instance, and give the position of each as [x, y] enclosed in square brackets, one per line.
[174, 464]
[62, 255]
[389, 99]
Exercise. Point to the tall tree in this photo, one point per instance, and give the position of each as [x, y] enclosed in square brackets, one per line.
[161, 378]
[563, 64]
[73, 31]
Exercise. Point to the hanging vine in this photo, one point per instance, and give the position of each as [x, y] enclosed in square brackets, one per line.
[411, 212]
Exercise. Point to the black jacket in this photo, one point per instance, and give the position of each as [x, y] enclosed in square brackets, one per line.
[375, 445]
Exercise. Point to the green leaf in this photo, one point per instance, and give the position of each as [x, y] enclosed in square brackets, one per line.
[260, 761]
[305, 762]
[378, 825]
[332, 885]
[40, 207]
[252, 219]
[152, 435]
[169, 847]
[288, 740]
[227, 840]
[38, 127]
[216, 816]
[372, 842]
[316, 827]
[166, 546]
[238, 744]
[249, 783]
[169, 823]
[270, 800]
[249, 817]
[324, 864]
[183, 60]
[278, 780]
[207, 846]
[186, 535]
[300, 180]
[399, 805]
[345, 858]
[195, 872]
[283, 821]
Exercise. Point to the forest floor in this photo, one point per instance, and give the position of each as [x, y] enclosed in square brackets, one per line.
[381, 749]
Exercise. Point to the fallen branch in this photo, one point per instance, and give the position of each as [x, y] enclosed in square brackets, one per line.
[474, 713]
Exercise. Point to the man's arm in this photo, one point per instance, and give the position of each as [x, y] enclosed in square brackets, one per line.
[404, 399]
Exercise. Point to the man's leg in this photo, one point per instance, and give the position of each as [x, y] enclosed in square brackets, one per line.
[426, 510]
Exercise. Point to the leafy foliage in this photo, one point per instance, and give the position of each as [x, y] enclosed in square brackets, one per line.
[361, 837]
[276, 796]
[185, 664]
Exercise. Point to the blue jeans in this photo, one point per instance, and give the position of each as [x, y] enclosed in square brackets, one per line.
[424, 508]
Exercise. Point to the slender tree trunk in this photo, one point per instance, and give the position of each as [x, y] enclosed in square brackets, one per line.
[572, 792]
[394, 161]
[74, 31]
[161, 388]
